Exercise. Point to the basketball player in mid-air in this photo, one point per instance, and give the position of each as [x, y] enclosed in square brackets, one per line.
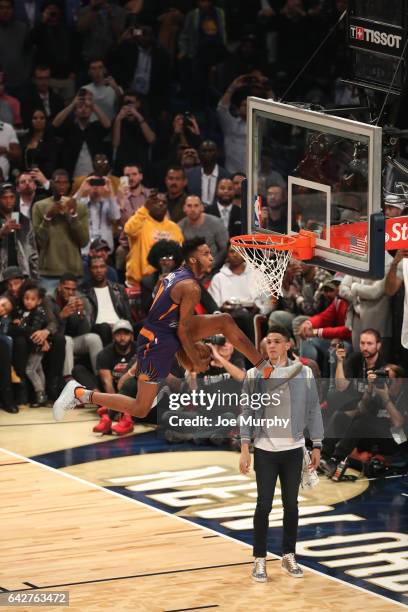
[170, 328]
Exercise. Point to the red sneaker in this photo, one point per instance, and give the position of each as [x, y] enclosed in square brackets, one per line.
[104, 426]
[102, 410]
[124, 426]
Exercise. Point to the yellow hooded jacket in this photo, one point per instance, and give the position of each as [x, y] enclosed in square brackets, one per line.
[142, 232]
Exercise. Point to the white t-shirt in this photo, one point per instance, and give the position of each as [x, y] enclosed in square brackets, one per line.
[106, 311]
[83, 166]
[272, 440]
[8, 136]
[104, 97]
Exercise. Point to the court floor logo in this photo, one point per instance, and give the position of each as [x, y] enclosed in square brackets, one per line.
[211, 492]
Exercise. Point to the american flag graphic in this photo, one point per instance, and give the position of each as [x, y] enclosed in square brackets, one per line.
[358, 246]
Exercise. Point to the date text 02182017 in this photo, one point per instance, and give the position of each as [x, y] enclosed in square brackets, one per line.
[34, 598]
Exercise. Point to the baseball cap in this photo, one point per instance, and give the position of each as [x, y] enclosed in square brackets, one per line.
[122, 325]
[394, 199]
[13, 272]
[98, 244]
[6, 187]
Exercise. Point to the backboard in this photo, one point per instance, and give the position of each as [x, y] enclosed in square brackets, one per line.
[314, 171]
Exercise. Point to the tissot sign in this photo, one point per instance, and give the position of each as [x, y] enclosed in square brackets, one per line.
[396, 234]
[373, 36]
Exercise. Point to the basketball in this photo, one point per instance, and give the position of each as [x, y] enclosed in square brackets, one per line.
[203, 350]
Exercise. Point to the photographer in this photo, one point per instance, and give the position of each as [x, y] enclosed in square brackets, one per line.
[351, 383]
[379, 416]
[225, 375]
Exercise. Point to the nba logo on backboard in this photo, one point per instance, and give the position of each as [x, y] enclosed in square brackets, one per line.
[360, 33]
[257, 220]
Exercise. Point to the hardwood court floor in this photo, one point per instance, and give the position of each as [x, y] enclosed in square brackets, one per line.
[112, 553]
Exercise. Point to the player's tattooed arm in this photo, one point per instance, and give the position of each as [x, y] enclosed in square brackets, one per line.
[187, 294]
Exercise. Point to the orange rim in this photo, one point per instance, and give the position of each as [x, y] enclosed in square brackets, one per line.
[265, 241]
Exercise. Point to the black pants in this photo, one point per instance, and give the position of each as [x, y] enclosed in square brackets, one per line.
[54, 359]
[104, 331]
[5, 373]
[268, 466]
[20, 355]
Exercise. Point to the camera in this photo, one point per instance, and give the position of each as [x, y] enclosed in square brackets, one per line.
[340, 345]
[218, 340]
[97, 182]
[82, 92]
[382, 378]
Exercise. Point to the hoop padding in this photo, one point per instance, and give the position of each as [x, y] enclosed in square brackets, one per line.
[269, 254]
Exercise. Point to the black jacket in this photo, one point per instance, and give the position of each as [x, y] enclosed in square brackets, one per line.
[125, 61]
[235, 220]
[74, 137]
[119, 299]
[33, 102]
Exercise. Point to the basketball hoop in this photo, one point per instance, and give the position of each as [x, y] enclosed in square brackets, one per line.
[269, 254]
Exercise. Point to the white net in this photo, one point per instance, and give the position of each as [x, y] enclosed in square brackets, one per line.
[270, 266]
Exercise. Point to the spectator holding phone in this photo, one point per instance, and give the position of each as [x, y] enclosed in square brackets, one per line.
[100, 167]
[104, 89]
[61, 230]
[27, 192]
[82, 137]
[103, 209]
[132, 195]
[17, 241]
[132, 134]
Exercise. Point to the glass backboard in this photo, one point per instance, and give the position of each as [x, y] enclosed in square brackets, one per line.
[314, 171]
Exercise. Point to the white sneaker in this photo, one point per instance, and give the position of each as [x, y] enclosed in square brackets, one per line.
[290, 566]
[259, 570]
[66, 400]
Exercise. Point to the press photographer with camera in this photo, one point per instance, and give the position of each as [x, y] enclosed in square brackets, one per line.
[225, 375]
[378, 419]
[351, 382]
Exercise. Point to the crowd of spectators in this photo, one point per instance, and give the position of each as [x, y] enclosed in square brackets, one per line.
[122, 133]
